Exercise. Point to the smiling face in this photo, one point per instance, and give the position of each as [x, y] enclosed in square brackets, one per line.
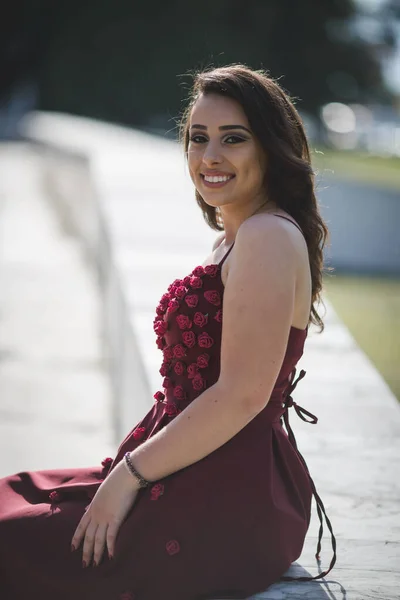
[226, 162]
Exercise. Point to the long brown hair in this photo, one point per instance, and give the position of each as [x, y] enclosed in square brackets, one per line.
[289, 180]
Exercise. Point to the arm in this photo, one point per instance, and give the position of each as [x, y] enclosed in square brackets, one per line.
[258, 308]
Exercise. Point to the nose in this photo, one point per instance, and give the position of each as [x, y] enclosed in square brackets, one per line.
[212, 154]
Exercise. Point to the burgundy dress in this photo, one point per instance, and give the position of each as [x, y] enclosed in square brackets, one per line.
[227, 526]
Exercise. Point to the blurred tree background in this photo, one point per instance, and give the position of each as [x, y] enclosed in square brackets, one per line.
[129, 63]
[126, 62]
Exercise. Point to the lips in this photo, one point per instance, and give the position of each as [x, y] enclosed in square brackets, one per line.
[216, 174]
[216, 179]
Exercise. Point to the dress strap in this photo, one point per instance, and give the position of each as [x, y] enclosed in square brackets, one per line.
[290, 220]
[302, 413]
[221, 262]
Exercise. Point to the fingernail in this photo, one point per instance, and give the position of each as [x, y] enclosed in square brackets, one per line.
[110, 556]
[94, 563]
[84, 564]
[73, 548]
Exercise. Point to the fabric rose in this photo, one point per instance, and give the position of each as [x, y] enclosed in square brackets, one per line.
[160, 310]
[171, 410]
[202, 361]
[106, 462]
[179, 368]
[192, 300]
[172, 547]
[165, 298]
[186, 281]
[179, 392]
[183, 322]
[166, 382]
[54, 496]
[218, 316]
[196, 282]
[179, 351]
[180, 291]
[159, 396]
[156, 491]
[164, 369]
[211, 270]
[168, 353]
[198, 382]
[204, 340]
[213, 297]
[160, 343]
[173, 305]
[200, 319]
[139, 433]
[192, 370]
[176, 283]
[198, 271]
[160, 327]
[127, 596]
[189, 338]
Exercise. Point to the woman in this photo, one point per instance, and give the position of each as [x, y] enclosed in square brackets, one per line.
[208, 496]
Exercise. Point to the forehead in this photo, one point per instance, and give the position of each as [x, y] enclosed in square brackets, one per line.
[213, 108]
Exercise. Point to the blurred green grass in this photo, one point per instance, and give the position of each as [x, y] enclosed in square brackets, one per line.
[370, 308]
[358, 166]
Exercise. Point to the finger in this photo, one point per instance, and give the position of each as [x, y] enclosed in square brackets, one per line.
[111, 537]
[80, 532]
[88, 544]
[99, 543]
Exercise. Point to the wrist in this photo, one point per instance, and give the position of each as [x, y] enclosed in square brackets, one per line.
[131, 481]
[140, 481]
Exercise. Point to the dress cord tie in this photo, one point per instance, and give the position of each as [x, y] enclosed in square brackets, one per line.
[303, 414]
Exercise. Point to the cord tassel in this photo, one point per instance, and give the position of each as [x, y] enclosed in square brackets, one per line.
[302, 413]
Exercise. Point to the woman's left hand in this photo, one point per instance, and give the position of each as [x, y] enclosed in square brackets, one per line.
[100, 524]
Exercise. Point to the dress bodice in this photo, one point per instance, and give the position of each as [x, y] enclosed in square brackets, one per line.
[188, 325]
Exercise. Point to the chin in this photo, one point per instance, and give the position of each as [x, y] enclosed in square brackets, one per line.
[214, 204]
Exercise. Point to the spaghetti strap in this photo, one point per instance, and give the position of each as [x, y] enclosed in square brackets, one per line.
[221, 262]
[290, 220]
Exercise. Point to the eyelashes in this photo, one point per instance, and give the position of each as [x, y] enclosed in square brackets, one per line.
[234, 139]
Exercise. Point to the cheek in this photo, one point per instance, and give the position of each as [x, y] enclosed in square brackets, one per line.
[248, 162]
[252, 171]
[257, 170]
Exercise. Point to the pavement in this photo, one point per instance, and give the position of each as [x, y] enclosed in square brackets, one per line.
[55, 392]
[156, 233]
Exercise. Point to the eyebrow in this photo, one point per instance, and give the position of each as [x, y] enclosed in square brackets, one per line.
[222, 128]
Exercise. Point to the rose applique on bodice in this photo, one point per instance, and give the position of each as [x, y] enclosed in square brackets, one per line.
[188, 325]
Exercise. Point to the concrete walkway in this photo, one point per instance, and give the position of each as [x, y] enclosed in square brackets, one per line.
[151, 232]
[55, 405]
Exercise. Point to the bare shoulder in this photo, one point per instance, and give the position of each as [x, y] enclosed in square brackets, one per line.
[268, 239]
[264, 223]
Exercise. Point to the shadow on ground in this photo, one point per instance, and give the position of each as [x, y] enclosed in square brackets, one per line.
[297, 590]
[323, 589]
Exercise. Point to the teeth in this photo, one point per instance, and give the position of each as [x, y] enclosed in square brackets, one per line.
[217, 179]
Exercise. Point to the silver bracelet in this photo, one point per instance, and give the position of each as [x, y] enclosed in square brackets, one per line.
[142, 481]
